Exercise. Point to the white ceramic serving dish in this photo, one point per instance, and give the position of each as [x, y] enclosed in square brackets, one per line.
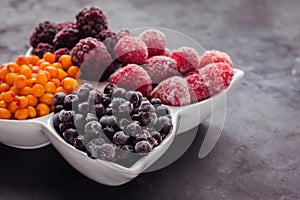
[184, 118]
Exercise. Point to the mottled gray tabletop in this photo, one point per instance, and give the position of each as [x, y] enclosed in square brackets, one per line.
[257, 156]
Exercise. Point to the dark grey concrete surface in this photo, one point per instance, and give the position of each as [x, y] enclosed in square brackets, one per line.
[257, 157]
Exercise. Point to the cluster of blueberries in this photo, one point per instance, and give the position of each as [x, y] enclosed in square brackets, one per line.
[116, 125]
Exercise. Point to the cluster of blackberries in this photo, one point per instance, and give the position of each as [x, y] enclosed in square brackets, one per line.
[116, 125]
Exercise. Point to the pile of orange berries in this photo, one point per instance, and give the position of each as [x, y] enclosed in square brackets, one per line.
[27, 86]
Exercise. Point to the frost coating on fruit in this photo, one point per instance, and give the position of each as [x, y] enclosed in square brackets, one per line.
[43, 33]
[160, 68]
[173, 91]
[197, 87]
[186, 58]
[133, 77]
[214, 56]
[67, 37]
[91, 21]
[92, 57]
[109, 39]
[130, 49]
[155, 40]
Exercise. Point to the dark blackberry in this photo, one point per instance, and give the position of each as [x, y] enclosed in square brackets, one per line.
[91, 21]
[64, 25]
[41, 49]
[60, 52]
[110, 40]
[92, 57]
[67, 37]
[106, 101]
[43, 33]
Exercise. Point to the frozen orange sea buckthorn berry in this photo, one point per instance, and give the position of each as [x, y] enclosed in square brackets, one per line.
[49, 57]
[3, 104]
[13, 67]
[9, 96]
[14, 89]
[32, 100]
[44, 64]
[61, 74]
[33, 59]
[10, 78]
[31, 112]
[57, 65]
[22, 60]
[4, 113]
[4, 87]
[26, 71]
[55, 81]
[21, 114]
[74, 71]
[42, 109]
[13, 106]
[69, 84]
[25, 91]
[20, 81]
[50, 88]
[47, 99]
[22, 102]
[41, 78]
[52, 70]
[37, 90]
[61, 89]
[65, 61]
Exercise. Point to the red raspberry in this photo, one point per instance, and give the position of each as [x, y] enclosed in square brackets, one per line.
[197, 87]
[160, 68]
[133, 77]
[173, 91]
[214, 56]
[155, 40]
[130, 49]
[217, 76]
[167, 52]
[187, 59]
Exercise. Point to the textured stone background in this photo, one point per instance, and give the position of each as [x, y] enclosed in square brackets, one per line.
[257, 157]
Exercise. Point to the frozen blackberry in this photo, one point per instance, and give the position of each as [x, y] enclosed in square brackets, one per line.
[42, 48]
[43, 33]
[64, 25]
[92, 57]
[91, 21]
[67, 37]
[109, 39]
[60, 52]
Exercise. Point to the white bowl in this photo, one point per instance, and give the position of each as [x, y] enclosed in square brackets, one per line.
[184, 118]
[24, 134]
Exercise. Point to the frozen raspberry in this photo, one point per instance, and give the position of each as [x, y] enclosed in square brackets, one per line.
[64, 25]
[67, 37]
[109, 39]
[130, 49]
[187, 59]
[173, 91]
[91, 21]
[92, 57]
[160, 68]
[155, 40]
[42, 48]
[214, 56]
[197, 87]
[217, 76]
[122, 32]
[167, 52]
[60, 52]
[133, 77]
[43, 33]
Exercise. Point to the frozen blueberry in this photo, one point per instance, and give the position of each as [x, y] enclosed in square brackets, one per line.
[155, 102]
[66, 116]
[123, 123]
[116, 102]
[93, 147]
[84, 108]
[156, 135]
[106, 101]
[56, 122]
[87, 85]
[83, 94]
[93, 128]
[63, 127]
[120, 138]
[118, 93]
[95, 97]
[109, 89]
[91, 117]
[99, 110]
[79, 121]
[142, 147]
[134, 98]
[146, 106]
[132, 129]
[58, 108]
[70, 135]
[164, 125]
[109, 132]
[109, 121]
[71, 102]
[144, 118]
[142, 135]
[152, 141]
[125, 109]
[162, 111]
[79, 143]
[108, 111]
[106, 151]
[58, 98]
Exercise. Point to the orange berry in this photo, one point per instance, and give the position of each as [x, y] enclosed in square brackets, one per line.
[31, 82]
[42, 109]
[22, 60]
[31, 112]
[61, 74]
[22, 102]
[44, 64]
[52, 70]
[4, 113]
[50, 87]
[21, 114]
[47, 74]
[47, 99]
[69, 84]
[26, 71]
[52, 108]
[13, 106]
[35, 69]
[60, 89]
[1, 96]
[49, 57]
[65, 61]
[9, 96]
[33, 59]
[32, 100]
[3, 104]
[10, 78]
[13, 67]
[57, 65]
[41, 78]
[14, 89]
[20, 81]
[55, 81]
[4, 87]
[37, 90]
[73, 71]
[3, 72]
[25, 91]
